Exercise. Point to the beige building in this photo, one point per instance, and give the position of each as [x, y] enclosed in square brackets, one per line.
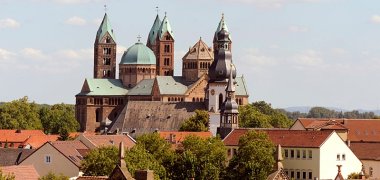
[307, 154]
[57, 157]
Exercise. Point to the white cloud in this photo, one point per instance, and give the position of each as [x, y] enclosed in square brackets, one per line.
[31, 53]
[9, 23]
[307, 58]
[375, 19]
[6, 55]
[83, 54]
[298, 29]
[338, 51]
[76, 21]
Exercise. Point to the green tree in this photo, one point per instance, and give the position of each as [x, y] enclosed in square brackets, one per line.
[261, 115]
[197, 123]
[58, 119]
[254, 158]
[6, 176]
[20, 114]
[100, 161]
[321, 112]
[52, 176]
[200, 159]
[138, 158]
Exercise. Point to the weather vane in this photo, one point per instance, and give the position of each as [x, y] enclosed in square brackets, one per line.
[157, 9]
[139, 37]
[105, 8]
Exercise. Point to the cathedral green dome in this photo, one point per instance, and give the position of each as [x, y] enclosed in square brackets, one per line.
[138, 54]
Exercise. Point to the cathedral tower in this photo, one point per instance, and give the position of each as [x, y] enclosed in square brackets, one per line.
[196, 61]
[229, 111]
[105, 51]
[219, 72]
[161, 42]
[222, 25]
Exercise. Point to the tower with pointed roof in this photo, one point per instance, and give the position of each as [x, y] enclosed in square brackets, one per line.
[216, 43]
[219, 72]
[196, 61]
[229, 111]
[161, 41]
[105, 51]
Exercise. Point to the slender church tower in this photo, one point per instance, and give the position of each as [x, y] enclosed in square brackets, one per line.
[161, 42]
[229, 111]
[216, 43]
[105, 51]
[219, 72]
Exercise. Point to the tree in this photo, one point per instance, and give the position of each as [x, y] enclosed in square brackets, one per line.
[254, 158]
[321, 112]
[20, 114]
[200, 159]
[197, 123]
[58, 119]
[100, 161]
[6, 176]
[52, 176]
[261, 115]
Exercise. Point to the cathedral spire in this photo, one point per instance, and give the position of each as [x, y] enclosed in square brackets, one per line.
[165, 28]
[154, 31]
[104, 28]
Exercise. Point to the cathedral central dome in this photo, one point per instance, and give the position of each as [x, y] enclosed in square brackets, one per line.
[138, 54]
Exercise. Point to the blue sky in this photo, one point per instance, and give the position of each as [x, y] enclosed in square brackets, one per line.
[291, 52]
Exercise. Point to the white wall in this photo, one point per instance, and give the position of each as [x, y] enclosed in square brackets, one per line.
[301, 164]
[329, 150]
[297, 126]
[218, 88]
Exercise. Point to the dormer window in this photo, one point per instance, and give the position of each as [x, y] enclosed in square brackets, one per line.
[108, 40]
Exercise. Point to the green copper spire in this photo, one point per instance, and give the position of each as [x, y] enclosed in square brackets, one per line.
[105, 27]
[165, 27]
[154, 31]
[222, 25]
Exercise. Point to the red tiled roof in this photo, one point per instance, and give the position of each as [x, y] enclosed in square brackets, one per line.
[11, 135]
[73, 150]
[24, 172]
[366, 151]
[37, 140]
[359, 130]
[92, 177]
[108, 140]
[181, 135]
[286, 138]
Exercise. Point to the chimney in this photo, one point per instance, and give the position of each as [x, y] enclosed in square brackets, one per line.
[348, 142]
[144, 175]
[121, 155]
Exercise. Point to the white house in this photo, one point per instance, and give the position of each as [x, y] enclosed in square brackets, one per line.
[307, 154]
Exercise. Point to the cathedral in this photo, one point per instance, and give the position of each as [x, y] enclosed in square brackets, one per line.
[146, 96]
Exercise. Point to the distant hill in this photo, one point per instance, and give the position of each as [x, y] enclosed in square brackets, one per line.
[306, 109]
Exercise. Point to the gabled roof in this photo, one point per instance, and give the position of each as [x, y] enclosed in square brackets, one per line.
[21, 172]
[12, 135]
[181, 135]
[110, 140]
[11, 156]
[286, 138]
[171, 85]
[147, 116]
[165, 28]
[144, 87]
[360, 130]
[241, 87]
[72, 150]
[37, 141]
[154, 30]
[366, 150]
[199, 51]
[104, 28]
[100, 87]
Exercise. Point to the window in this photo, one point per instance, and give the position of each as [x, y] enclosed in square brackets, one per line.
[303, 175]
[292, 174]
[167, 48]
[108, 40]
[343, 157]
[338, 157]
[310, 154]
[286, 153]
[166, 61]
[106, 51]
[304, 155]
[292, 153]
[298, 175]
[167, 38]
[298, 154]
[47, 159]
[106, 61]
[370, 171]
[310, 175]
